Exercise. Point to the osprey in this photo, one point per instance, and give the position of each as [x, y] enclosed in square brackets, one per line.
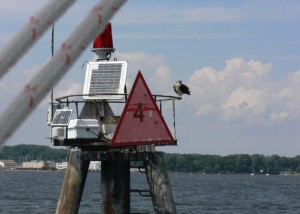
[181, 89]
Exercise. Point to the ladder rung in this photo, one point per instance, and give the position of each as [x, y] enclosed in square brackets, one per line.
[143, 193]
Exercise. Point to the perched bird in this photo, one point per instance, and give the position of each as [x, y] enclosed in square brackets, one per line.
[181, 89]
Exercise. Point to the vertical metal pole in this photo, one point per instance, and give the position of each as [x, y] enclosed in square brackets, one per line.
[160, 108]
[115, 180]
[77, 114]
[174, 122]
[52, 95]
[158, 180]
[125, 91]
[73, 185]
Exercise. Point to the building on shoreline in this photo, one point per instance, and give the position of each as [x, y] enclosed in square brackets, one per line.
[94, 165]
[43, 165]
[8, 164]
[38, 165]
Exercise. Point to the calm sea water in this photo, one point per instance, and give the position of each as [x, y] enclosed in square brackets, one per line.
[37, 192]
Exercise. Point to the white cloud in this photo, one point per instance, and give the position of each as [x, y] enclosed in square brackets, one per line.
[294, 77]
[68, 87]
[206, 109]
[64, 88]
[13, 82]
[141, 60]
[244, 103]
[279, 116]
[153, 68]
[241, 91]
[162, 78]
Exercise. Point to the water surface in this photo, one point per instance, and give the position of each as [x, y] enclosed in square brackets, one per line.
[38, 192]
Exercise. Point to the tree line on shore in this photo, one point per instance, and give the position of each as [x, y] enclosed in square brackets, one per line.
[24, 152]
[232, 164]
[195, 163]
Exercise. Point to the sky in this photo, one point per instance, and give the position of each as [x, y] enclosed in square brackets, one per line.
[241, 60]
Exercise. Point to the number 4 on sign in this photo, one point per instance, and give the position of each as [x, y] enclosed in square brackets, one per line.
[136, 127]
[139, 112]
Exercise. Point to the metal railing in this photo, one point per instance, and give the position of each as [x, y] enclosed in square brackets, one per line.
[77, 99]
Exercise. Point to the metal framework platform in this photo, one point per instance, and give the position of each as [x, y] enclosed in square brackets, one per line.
[102, 111]
[115, 160]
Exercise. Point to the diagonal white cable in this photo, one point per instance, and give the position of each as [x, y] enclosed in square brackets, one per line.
[33, 92]
[31, 32]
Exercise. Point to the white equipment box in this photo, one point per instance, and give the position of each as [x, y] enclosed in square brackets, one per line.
[83, 128]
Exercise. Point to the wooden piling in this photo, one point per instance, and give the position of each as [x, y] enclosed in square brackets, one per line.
[159, 184]
[115, 180]
[73, 184]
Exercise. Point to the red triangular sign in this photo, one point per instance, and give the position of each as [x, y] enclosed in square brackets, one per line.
[141, 121]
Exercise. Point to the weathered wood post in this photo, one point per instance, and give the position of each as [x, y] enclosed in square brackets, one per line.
[115, 179]
[73, 184]
[159, 184]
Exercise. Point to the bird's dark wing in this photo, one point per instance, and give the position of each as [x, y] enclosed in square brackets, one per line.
[185, 89]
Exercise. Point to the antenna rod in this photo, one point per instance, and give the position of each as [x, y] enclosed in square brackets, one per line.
[31, 32]
[34, 91]
[52, 40]
[52, 52]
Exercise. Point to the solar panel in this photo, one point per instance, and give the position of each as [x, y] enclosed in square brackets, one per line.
[105, 78]
[62, 117]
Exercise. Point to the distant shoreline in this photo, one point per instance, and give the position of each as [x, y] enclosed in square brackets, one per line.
[29, 170]
[184, 173]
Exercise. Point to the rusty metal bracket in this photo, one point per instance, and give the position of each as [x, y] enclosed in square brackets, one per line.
[142, 192]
